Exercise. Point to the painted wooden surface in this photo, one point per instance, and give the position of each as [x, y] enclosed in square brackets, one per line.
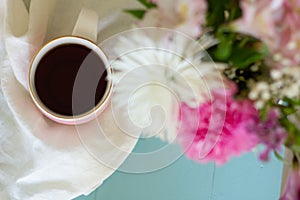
[243, 178]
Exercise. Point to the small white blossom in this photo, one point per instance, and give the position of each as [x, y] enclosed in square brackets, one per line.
[276, 74]
[284, 82]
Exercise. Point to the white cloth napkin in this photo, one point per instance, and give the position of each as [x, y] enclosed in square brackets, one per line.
[40, 159]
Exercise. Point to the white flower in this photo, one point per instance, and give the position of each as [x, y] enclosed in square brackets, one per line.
[186, 16]
[159, 67]
[284, 82]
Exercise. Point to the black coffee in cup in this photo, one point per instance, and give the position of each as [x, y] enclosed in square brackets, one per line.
[70, 79]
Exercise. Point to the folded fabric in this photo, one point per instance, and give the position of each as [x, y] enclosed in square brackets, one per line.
[41, 159]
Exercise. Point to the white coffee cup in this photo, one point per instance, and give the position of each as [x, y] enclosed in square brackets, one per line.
[84, 34]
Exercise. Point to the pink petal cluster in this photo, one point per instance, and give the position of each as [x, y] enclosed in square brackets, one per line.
[270, 133]
[217, 129]
[292, 190]
[277, 23]
[185, 16]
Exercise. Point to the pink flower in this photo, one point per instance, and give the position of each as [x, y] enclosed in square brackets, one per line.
[277, 23]
[217, 129]
[185, 16]
[270, 133]
[258, 17]
[292, 190]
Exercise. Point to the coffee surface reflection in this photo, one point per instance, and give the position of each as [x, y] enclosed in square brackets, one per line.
[70, 79]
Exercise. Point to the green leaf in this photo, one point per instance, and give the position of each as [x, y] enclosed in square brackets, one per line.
[292, 130]
[281, 158]
[244, 58]
[288, 111]
[215, 13]
[263, 113]
[147, 4]
[295, 149]
[223, 51]
[246, 55]
[278, 156]
[239, 50]
[221, 12]
[292, 101]
[138, 13]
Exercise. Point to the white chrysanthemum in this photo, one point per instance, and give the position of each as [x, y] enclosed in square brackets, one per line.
[161, 69]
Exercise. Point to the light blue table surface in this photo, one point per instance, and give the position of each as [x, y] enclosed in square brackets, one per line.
[243, 178]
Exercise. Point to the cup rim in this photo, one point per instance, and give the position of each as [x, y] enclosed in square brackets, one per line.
[74, 119]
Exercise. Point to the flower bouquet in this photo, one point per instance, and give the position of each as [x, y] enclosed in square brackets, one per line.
[237, 83]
